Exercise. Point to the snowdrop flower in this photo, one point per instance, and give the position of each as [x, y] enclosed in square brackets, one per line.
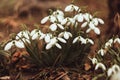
[113, 70]
[94, 60]
[100, 65]
[90, 41]
[109, 43]
[101, 52]
[71, 8]
[61, 40]
[18, 44]
[80, 38]
[23, 34]
[35, 34]
[53, 27]
[65, 34]
[87, 17]
[48, 37]
[56, 16]
[53, 42]
[117, 40]
[79, 17]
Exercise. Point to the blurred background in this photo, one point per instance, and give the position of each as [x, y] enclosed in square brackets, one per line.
[13, 13]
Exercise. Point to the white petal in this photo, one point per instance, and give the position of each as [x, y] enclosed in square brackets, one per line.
[52, 19]
[47, 38]
[61, 34]
[33, 32]
[75, 40]
[42, 36]
[69, 8]
[100, 21]
[66, 35]
[88, 30]
[8, 45]
[117, 40]
[61, 40]
[19, 44]
[69, 34]
[86, 16]
[53, 27]
[100, 65]
[97, 31]
[60, 26]
[64, 21]
[94, 61]
[90, 41]
[44, 20]
[80, 18]
[58, 45]
[53, 40]
[84, 24]
[95, 21]
[48, 46]
[109, 72]
[35, 36]
[76, 8]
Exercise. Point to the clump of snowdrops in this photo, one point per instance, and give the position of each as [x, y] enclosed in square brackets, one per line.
[108, 59]
[65, 43]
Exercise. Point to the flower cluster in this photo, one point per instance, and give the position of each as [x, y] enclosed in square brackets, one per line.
[66, 33]
[108, 50]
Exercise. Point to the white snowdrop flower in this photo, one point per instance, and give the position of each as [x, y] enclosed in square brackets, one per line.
[71, 8]
[53, 18]
[117, 40]
[94, 60]
[44, 20]
[96, 30]
[109, 72]
[18, 44]
[60, 18]
[101, 52]
[84, 24]
[100, 21]
[53, 42]
[53, 27]
[90, 41]
[87, 16]
[75, 40]
[23, 34]
[65, 34]
[79, 17]
[109, 43]
[8, 45]
[100, 65]
[61, 40]
[42, 35]
[33, 32]
[115, 68]
[35, 36]
[58, 45]
[91, 25]
[95, 21]
[47, 38]
[64, 21]
[83, 41]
